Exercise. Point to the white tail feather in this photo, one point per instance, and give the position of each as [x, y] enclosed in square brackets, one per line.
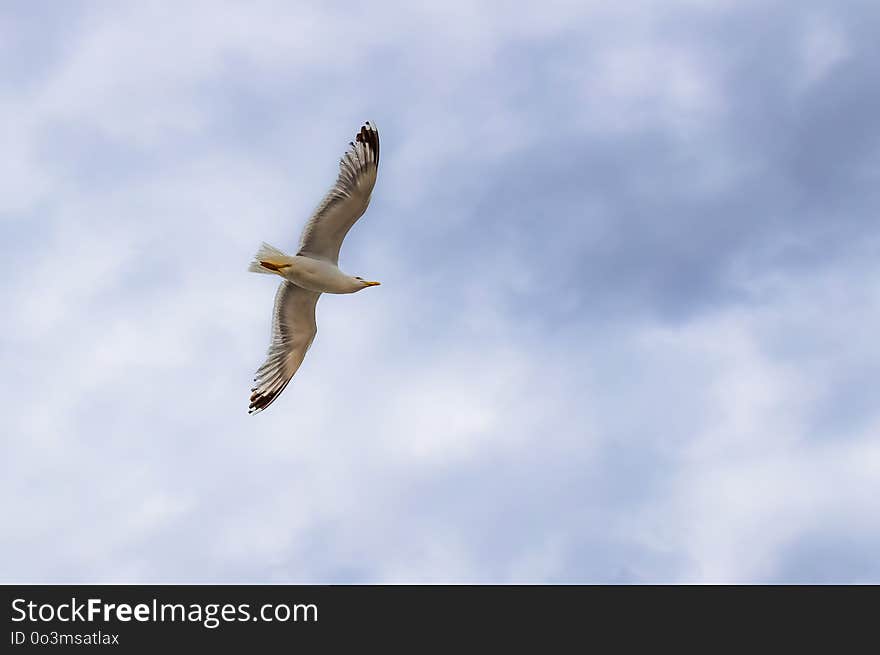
[270, 254]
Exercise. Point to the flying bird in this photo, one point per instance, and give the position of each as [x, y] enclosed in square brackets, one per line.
[314, 269]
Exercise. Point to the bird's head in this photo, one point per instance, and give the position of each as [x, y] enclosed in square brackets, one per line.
[366, 283]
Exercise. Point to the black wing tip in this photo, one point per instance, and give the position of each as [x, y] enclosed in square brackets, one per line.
[260, 402]
[369, 136]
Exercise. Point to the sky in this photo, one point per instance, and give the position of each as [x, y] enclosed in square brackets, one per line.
[627, 325]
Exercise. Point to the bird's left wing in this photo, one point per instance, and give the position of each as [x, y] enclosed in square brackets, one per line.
[293, 330]
[346, 201]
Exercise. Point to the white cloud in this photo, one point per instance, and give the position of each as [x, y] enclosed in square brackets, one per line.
[823, 46]
[758, 477]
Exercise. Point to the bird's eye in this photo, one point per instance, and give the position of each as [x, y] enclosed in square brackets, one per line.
[358, 278]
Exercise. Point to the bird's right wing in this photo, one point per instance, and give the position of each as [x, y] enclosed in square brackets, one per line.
[346, 201]
[293, 330]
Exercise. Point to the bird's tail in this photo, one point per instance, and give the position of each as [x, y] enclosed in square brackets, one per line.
[269, 260]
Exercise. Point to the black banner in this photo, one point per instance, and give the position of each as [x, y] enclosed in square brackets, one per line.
[149, 618]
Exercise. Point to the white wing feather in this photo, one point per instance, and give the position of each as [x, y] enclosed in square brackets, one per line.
[293, 330]
[346, 201]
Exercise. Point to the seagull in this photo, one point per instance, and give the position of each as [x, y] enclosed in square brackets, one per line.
[314, 269]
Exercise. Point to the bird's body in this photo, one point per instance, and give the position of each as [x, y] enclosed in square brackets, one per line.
[315, 274]
[314, 269]
[321, 276]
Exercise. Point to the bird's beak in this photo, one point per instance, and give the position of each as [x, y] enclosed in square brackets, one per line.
[371, 284]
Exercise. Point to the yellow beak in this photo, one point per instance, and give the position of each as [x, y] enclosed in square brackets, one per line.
[371, 284]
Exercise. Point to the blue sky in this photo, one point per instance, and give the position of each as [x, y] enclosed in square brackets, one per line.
[627, 325]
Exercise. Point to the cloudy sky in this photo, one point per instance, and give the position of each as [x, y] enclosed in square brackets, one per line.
[627, 328]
